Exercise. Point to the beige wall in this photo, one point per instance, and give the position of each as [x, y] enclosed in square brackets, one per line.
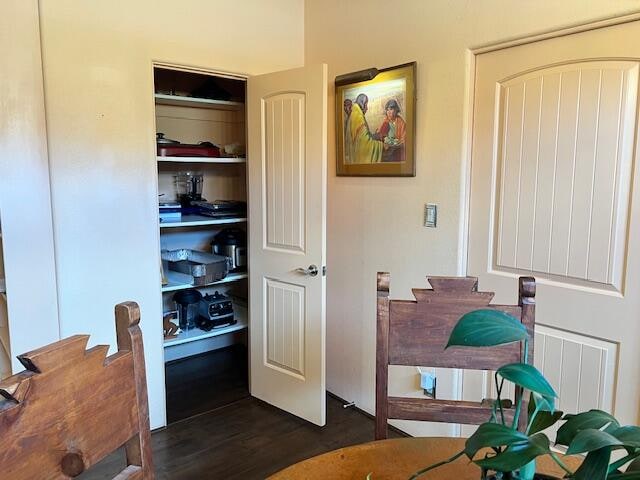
[375, 223]
[100, 115]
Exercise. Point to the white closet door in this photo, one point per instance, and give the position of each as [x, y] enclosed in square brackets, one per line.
[287, 125]
[553, 196]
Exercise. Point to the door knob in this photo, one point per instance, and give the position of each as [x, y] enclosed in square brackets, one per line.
[312, 271]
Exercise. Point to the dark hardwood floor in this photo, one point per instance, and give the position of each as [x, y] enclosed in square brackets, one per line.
[246, 440]
[205, 382]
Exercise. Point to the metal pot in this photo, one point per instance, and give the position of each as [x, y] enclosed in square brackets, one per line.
[160, 139]
[232, 243]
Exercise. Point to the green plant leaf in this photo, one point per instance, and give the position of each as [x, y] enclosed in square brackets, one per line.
[486, 328]
[517, 455]
[543, 404]
[544, 420]
[582, 421]
[624, 476]
[529, 377]
[629, 435]
[492, 435]
[634, 466]
[542, 414]
[528, 471]
[592, 439]
[595, 465]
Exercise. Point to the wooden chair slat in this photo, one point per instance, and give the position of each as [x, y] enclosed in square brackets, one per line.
[415, 333]
[72, 407]
[434, 410]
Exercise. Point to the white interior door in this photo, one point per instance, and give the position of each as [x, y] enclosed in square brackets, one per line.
[554, 142]
[287, 125]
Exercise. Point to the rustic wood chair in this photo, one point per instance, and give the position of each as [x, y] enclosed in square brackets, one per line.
[71, 407]
[415, 333]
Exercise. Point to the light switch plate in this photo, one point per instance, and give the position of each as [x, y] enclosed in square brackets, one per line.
[430, 215]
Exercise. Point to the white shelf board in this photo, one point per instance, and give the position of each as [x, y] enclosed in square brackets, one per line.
[199, 220]
[181, 101]
[202, 159]
[181, 281]
[197, 334]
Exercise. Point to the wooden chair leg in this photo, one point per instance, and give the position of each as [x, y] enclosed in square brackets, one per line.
[382, 356]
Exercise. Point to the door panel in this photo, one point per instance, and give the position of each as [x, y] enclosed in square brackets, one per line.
[564, 170]
[284, 327]
[552, 195]
[287, 185]
[284, 162]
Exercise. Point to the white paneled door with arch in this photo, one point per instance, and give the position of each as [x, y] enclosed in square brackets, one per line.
[554, 195]
[287, 118]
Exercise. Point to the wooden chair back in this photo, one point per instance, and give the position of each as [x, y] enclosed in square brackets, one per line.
[415, 333]
[71, 407]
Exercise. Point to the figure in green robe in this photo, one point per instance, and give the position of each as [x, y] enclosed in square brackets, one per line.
[360, 144]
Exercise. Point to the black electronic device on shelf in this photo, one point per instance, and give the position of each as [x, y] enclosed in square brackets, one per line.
[221, 208]
[215, 311]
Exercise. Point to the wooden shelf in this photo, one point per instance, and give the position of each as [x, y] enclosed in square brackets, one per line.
[199, 220]
[180, 101]
[202, 159]
[196, 334]
[181, 281]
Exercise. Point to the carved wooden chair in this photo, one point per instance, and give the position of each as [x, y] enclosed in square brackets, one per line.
[71, 407]
[415, 333]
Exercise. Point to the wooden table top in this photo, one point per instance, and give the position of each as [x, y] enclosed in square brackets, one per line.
[397, 459]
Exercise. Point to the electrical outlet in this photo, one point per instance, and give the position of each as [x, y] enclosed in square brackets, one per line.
[428, 384]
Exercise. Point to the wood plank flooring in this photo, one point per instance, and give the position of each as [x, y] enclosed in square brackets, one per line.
[205, 382]
[246, 440]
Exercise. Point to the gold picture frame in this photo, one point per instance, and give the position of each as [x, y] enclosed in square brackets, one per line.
[376, 122]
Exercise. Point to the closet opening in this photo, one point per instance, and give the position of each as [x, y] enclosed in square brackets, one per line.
[202, 195]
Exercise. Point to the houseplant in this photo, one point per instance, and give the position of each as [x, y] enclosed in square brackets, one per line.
[512, 453]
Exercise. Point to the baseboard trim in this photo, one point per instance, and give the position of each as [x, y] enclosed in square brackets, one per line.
[366, 414]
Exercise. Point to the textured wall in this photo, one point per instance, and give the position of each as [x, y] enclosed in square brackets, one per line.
[100, 115]
[375, 223]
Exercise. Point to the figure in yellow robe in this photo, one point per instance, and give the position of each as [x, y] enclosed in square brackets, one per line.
[360, 144]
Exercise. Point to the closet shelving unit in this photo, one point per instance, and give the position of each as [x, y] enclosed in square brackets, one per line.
[191, 120]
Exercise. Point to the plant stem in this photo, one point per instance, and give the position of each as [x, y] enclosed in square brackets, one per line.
[419, 473]
[516, 415]
[499, 400]
[559, 462]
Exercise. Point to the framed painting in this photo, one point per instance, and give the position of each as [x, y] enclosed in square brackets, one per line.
[376, 122]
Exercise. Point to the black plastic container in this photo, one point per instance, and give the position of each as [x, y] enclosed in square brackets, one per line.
[187, 304]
